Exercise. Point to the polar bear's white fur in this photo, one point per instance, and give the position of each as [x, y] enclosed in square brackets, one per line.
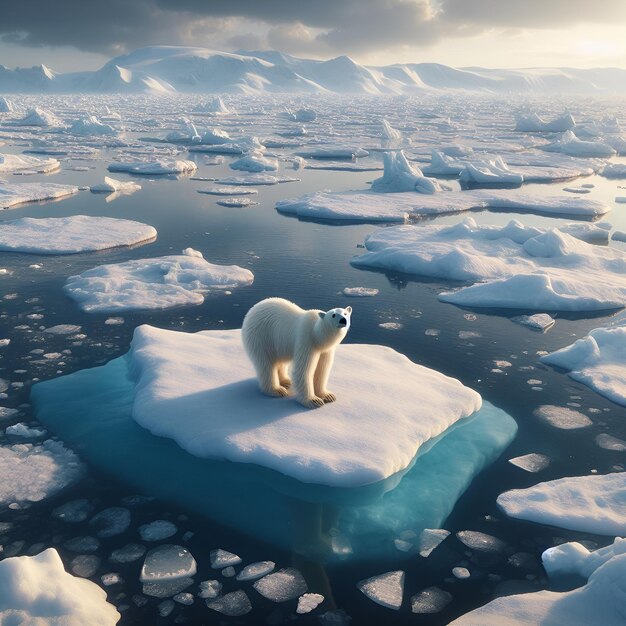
[277, 332]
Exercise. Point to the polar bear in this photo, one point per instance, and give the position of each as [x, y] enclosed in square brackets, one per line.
[277, 332]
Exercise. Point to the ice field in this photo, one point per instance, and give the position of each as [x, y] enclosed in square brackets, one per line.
[473, 466]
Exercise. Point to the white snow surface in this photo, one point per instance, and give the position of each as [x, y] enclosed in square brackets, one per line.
[597, 360]
[594, 504]
[21, 162]
[12, 194]
[154, 168]
[398, 207]
[37, 591]
[71, 235]
[526, 267]
[532, 123]
[153, 284]
[207, 380]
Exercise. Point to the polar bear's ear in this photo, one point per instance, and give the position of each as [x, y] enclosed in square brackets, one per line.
[349, 309]
[321, 314]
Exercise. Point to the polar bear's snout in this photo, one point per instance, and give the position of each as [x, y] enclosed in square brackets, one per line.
[343, 321]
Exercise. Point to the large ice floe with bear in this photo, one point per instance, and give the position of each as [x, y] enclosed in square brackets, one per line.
[191, 404]
[71, 235]
[513, 266]
[37, 591]
[153, 284]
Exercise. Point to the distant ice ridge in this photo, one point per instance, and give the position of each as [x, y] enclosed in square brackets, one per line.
[571, 145]
[22, 162]
[593, 504]
[12, 194]
[598, 361]
[278, 434]
[36, 590]
[532, 123]
[519, 266]
[31, 472]
[71, 235]
[601, 600]
[38, 117]
[398, 207]
[153, 284]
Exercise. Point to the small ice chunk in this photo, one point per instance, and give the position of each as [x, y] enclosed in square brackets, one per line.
[360, 292]
[157, 530]
[73, 511]
[460, 573]
[308, 602]
[165, 608]
[111, 578]
[532, 462]
[256, 570]
[166, 588]
[228, 572]
[128, 553]
[167, 562]
[210, 589]
[386, 589]
[114, 321]
[184, 598]
[111, 522]
[430, 600]
[63, 329]
[403, 546]
[82, 544]
[608, 442]
[222, 558]
[281, 586]
[538, 321]
[480, 541]
[430, 539]
[22, 430]
[4, 342]
[85, 565]
[390, 325]
[234, 604]
[562, 417]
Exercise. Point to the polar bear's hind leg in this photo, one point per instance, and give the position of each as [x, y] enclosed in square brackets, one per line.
[283, 375]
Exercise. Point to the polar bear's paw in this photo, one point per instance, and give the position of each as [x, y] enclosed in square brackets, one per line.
[328, 397]
[312, 403]
[277, 392]
[285, 382]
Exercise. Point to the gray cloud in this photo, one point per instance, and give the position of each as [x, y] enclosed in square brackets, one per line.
[325, 27]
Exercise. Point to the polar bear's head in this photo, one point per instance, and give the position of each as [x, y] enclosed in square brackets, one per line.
[337, 319]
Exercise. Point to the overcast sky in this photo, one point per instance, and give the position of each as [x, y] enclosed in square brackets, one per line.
[70, 35]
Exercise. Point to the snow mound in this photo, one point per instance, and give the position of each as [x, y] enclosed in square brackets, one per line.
[71, 235]
[13, 194]
[7, 106]
[490, 172]
[36, 590]
[598, 361]
[526, 267]
[247, 427]
[39, 117]
[571, 145]
[153, 284]
[154, 168]
[534, 124]
[111, 185]
[91, 126]
[33, 472]
[216, 105]
[613, 170]
[21, 162]
[255, 162]
[593, 504]
[400, 175]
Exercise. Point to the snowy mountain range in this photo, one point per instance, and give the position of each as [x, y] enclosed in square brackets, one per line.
[170, 69]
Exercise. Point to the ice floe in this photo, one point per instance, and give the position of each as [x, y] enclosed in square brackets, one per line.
[90, 126]
[400, 175]
[490, 172]
[561, 416]
[39, 117]
[281, 586]
[430, 600]
[71, 235]
[36, 590]
[255, 161]
[151, 284]
[526, 267]
[111, 185]
[233, 604]
[539, 321]
[154, 168]
[593, 504]
[12, 194]
[597, 360]
[613, 170]
[21, 162]
[532, 123]
[571, 145]
[384, 589]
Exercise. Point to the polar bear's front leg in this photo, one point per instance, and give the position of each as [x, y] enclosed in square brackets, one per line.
[283, 375]
[304, 365]
[322, 372]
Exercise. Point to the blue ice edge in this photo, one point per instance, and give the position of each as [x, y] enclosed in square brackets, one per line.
[91, 410]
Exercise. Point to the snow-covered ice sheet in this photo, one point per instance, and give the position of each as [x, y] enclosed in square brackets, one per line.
[571, 145]
[21, 162]
[532, 123]
[397, 207]
[154, 168]
[37, 591]
[12, 194]
[597, 360]
[526, 267]
[593, 504]
[153, 284]
[255, 500]
[71, 235]
[242, 425]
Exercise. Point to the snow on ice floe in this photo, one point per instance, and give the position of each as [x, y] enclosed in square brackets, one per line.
[31, 473]
[532, 123]
[601, 600]
[280, 435]
[91, 126]
[241, 145]
[400, 175]
[12, 194]
[360, 292]
[38, 117]
[593, 504]
[571, 145]
[71, 235]
[384, 589]
[229, 191]
[255, 179]
[613, 170]
[153, 284]
[21, 162]
[526, 267]
[370, 206]
[154, 168]
[539, 321]
[490, 171]
[36, 590]
[562, 417]
[281, 586]
[597, 360]
[255, 161]
[167, 563]
[111, 185]
[236, 202]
